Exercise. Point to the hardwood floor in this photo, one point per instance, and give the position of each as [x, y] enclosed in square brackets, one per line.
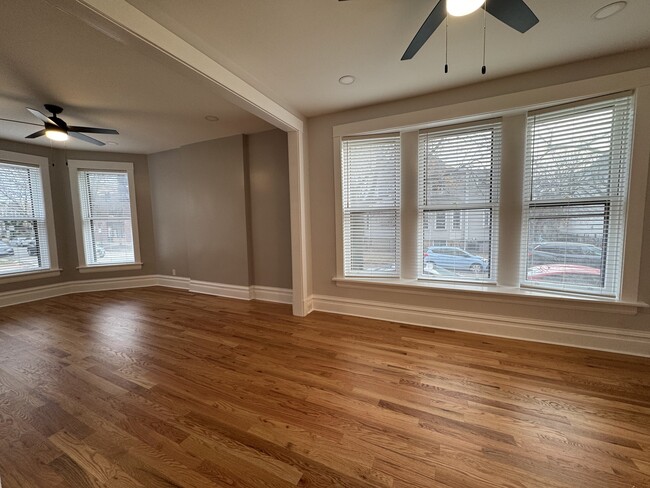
[160, 388]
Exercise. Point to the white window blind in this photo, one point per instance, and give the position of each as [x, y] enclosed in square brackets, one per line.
[371, 205]
[23, 229]
[459, 175]
[106, 217]
[575, 187]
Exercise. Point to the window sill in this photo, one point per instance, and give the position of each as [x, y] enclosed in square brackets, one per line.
[29, 275]
[493, 293]
[109, 267]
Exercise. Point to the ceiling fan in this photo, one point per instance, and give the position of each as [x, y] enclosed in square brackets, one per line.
[513, 13]
[57, 130]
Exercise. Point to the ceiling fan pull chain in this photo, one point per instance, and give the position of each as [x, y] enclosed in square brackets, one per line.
[484, 69]
[446, 43]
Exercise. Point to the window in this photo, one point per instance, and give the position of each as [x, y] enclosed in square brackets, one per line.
[459, 171]
[456, 220]
[27, 243]
[441, 220]
[554, 222]
[575, 188]
[105, 214]
[371, 205]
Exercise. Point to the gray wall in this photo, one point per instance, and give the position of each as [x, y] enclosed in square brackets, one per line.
[221, 210]
[64, 220]
[321, 181]
[269, 202]
[169, 195]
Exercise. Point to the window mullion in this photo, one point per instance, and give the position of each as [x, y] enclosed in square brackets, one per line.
[411, 253]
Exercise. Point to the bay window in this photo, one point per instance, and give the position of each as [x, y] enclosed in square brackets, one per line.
[429, 207]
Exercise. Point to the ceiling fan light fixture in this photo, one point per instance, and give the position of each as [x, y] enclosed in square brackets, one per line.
[56, 134]
[458, 8]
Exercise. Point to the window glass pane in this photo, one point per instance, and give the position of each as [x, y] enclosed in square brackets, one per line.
[23, 230]
[375, 241]
[571, 157]
[463, 253]
[106, 214]
[568, 245]
[457, 166]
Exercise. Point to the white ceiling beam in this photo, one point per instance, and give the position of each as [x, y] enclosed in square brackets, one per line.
[232, 87]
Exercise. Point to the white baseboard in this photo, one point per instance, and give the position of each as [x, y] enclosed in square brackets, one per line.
[50, 291]
[576, 335]
[264, 293]
[220, 289]
[254, 292]
[173, 282]
[271, 294]
[309, 304]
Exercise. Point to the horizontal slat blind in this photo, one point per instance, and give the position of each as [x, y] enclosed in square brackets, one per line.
[106, 215]
[458, 197]
[371, 205]
[575, 186]
[23, 230]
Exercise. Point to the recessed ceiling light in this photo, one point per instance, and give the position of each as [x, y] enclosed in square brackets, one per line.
[111, 143]
[211, 118]
[347, 80]
[609, 10]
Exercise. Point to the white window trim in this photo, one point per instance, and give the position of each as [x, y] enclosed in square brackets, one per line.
[74, 165]
[513, 107]
[44, 167]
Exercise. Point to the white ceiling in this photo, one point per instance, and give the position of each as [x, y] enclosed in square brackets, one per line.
[294, 51]
[48, 56]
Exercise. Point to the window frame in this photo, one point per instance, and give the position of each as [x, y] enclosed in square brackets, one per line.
[43, 164]
[369, 210]
[449, 208]
[513, 108]
[74, 166]
[614, 223]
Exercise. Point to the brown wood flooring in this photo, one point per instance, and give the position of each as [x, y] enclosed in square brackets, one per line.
[160, 388]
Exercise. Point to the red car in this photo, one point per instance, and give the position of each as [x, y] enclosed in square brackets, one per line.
[573, 274]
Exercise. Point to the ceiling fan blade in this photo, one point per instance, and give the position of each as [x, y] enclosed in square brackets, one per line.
[41, 117]
[36, 134]
[514, 13]
[92, 130]
[434, 19]
[85, 138]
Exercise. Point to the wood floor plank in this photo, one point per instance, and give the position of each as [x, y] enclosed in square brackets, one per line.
[162, 388]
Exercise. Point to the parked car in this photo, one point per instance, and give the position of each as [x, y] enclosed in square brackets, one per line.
[455, 258]
[21, 241]
[566, 253]
[573, 274]
[6, 250]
